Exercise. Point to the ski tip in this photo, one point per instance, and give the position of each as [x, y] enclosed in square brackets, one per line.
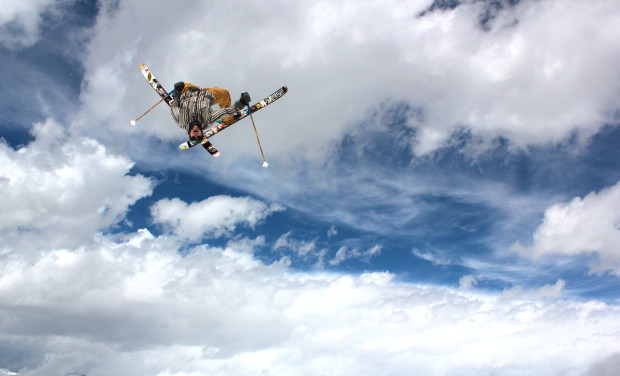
[265, 164]
[133, 122]
[285, 88]
[216, 154]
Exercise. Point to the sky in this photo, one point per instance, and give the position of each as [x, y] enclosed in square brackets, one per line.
[442, 196]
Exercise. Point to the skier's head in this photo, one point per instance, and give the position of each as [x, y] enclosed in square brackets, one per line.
[194, 131]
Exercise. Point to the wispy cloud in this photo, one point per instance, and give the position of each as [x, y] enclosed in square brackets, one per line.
[344, 254]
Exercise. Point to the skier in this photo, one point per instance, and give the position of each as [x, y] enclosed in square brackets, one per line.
[191, 107]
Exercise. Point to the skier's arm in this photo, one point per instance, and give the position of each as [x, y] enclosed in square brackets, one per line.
[174, 109]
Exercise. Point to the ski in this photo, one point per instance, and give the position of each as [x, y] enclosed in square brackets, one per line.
[211, 149]
[242, 115]
[150, 78]
[165, 96]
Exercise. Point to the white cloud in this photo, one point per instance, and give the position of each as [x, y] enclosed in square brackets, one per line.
[246, 244]
[59, 190]
[467, 282]
[20, 21]
[138, 307]
[607, 367]
[533, 81]
[302, 248]
[212, 217]
[130, 304]
[547, 291]
[345, 253]
[306, 251]
[583, 225]
[434, 258]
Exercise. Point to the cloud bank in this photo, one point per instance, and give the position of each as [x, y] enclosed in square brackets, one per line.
[137, 306]
[137, 303]
[541, 72]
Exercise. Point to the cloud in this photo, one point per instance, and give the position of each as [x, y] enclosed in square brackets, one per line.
[214, 217]
[137, 306]
[607, 367]
[345, 253]
[434, 258]
[522, 79]
[20, 21]
[87, 301]
[302, 248]
[584, 225]
[332, 232]
[547, 291]
[59, 190]
[467, 282]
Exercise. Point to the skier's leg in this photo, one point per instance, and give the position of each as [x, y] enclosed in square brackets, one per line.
[222, 97]
[222, 114]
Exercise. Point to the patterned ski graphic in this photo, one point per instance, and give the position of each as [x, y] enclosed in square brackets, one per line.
[150, 78]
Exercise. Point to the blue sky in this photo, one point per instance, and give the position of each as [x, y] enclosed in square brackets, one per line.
[442, 195]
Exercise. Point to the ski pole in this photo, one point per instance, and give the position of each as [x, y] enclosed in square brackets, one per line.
[265, 164]
[133, 122]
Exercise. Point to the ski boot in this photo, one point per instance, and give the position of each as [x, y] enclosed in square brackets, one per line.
[178, 88]
[243, 102]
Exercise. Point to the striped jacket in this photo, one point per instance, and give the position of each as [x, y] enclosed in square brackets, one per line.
[195, 104]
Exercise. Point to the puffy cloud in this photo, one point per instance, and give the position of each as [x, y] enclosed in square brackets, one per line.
[132, 304]
[59, 190]
[521, 79]
[213, 217]
[137, 306]
[467, 282]
[584, 225]
[20, 21]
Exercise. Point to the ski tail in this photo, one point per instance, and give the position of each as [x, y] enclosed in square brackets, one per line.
[211, 149]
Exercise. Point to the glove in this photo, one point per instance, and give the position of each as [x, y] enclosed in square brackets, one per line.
[179, 86]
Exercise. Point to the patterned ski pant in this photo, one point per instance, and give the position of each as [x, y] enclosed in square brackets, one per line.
[196, 105]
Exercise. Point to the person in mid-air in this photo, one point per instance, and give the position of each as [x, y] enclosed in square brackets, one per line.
[191, 107]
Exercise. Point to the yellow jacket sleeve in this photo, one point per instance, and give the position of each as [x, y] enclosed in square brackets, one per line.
[191, 87]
